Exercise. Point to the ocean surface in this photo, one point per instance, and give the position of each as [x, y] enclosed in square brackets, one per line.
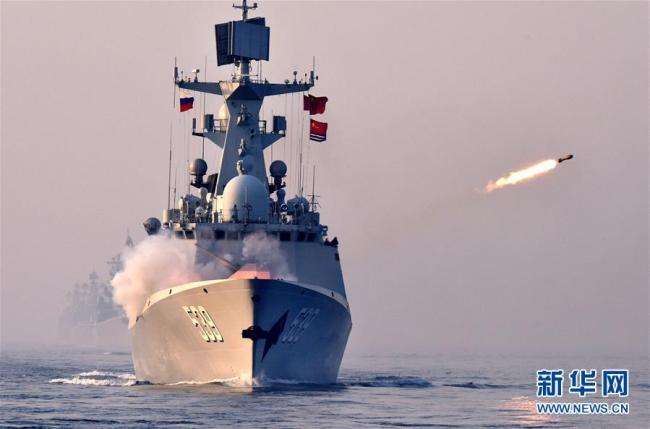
[76, 388]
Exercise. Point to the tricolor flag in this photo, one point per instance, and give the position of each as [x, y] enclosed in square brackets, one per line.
[317, 131]
[315, 105]
[187, 102]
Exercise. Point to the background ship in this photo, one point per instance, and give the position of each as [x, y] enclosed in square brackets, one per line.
[278, 310]
[90, 316]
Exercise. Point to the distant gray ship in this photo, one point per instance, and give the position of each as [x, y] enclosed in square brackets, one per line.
[257, 323]
[90, 317]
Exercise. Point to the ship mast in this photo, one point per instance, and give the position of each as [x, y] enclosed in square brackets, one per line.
[238, 130]
[244, 8]
[244, 65]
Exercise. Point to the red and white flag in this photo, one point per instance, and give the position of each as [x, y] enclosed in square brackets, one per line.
[317, 131]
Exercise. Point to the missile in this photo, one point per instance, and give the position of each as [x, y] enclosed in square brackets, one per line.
[566, 158]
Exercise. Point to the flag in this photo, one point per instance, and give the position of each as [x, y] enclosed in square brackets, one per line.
[317, 131]
[187, 102]
[314, 105]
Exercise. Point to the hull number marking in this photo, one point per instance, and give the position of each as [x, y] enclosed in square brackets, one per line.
[299, 324]
[201, 319]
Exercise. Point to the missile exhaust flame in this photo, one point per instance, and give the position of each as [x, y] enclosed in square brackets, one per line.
[521, 175]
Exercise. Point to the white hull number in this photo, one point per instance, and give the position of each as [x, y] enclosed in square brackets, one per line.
[202, 320]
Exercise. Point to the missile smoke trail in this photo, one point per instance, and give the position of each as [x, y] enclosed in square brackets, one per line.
[527, 173]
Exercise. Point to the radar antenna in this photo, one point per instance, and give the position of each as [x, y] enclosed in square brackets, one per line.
[244, 8]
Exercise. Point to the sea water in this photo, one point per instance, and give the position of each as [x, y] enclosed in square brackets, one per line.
[78, 388]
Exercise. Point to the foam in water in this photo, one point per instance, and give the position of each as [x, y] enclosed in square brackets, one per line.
[98, 378]
[240, 381]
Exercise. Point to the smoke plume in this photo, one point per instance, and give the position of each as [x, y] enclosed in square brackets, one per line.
[156, 263]
[160, 262]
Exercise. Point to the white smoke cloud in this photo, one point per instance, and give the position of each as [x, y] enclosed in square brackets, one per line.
[160, 262]
[156, 263]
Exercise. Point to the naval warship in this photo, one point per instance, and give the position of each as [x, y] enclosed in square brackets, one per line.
[90, 317]
[255, 322]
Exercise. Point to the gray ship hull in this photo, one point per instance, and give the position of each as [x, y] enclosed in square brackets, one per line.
[244, 331]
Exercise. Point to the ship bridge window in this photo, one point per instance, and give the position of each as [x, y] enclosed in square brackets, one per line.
[189, 235]
[301, 236]
[311, 237]
[285, 236]
[219, 234]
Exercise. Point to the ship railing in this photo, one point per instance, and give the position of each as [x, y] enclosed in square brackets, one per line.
[221, 126]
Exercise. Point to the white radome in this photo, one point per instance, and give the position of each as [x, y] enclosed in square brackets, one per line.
[248, 193]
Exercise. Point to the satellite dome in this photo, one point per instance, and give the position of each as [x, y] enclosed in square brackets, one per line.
[198, 167]
[278, 168]
[250, 197]
[152, 225]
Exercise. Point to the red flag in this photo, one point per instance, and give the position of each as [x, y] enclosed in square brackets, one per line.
[317, 131]
[315, 105]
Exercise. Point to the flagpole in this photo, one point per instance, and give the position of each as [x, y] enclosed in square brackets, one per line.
[174, 86]
[302, 133]
[205, 74]
[292, 138]
[169, 173]
[175, 175]
[313, 190]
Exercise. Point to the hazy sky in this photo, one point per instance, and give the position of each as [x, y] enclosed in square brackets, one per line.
[428, 101]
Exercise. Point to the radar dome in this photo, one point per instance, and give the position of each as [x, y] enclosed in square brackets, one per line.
[278, 168]
[198, 167]
[245, 198]
[152, 225]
